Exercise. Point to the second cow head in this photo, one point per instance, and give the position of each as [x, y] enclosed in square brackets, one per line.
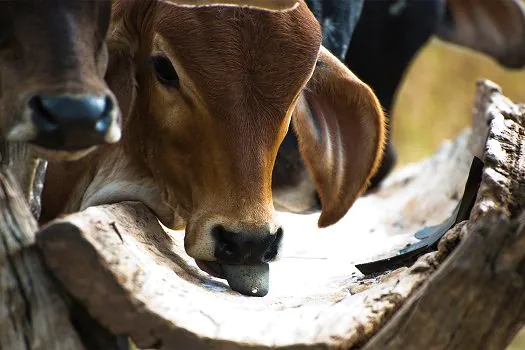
[52, 64]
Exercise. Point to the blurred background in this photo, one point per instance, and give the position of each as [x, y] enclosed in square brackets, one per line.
[436, 98]
[436, 101]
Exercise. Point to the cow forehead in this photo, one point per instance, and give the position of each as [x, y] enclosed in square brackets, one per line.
[242, 56]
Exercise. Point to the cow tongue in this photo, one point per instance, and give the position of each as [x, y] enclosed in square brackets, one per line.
[251, 280]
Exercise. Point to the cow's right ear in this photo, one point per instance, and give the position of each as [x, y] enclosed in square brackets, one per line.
[120, 76]
[273, 5]
[340, 127]
[493, 27]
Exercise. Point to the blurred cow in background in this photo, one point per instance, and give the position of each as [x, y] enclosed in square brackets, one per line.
[378, 41]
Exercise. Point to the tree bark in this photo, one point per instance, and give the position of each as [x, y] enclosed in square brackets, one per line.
[38, 313]
[476, 300]
[33, 313]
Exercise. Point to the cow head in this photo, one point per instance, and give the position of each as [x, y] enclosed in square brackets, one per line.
[208, 95]
[52, 64]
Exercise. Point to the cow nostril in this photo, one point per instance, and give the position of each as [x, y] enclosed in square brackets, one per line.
[45, 119]
[273, 248]
[227, 247]
[104, 121]
[269, 256]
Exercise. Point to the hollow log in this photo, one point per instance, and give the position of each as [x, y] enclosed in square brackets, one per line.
[133, 276]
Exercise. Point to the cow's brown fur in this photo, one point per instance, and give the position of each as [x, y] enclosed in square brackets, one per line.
[202, 155]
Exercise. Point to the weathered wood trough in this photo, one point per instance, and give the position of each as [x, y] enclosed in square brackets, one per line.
[113, 270]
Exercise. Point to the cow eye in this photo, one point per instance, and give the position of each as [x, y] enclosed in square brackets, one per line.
[164, 70]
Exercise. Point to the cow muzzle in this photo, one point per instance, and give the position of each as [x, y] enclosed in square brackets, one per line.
[72, 123]
[241, 255]
[246, 248]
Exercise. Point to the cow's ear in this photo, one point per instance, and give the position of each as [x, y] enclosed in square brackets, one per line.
[272, 5]
[120, 76]
[493, 27]
[340, 126]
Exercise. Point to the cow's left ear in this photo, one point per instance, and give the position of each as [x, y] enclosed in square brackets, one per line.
[493, 27]
[272, 5]
[341, 131]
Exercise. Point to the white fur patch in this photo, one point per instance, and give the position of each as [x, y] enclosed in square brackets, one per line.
[114, 132]
[22, 132]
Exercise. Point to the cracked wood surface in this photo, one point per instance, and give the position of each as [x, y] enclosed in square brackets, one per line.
[135, 278]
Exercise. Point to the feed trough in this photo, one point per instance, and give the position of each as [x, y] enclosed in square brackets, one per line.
[373, 280]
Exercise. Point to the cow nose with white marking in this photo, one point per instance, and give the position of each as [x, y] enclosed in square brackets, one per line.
[71, 123]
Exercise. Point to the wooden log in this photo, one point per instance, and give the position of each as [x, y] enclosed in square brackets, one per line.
[134, 277]
[123, 259]
[476, 300]
[32, 312]
[485, 275]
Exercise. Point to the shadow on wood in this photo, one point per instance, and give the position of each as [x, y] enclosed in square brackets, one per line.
[135, 278]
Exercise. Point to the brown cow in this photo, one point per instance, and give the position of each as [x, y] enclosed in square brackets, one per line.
[207, 96]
